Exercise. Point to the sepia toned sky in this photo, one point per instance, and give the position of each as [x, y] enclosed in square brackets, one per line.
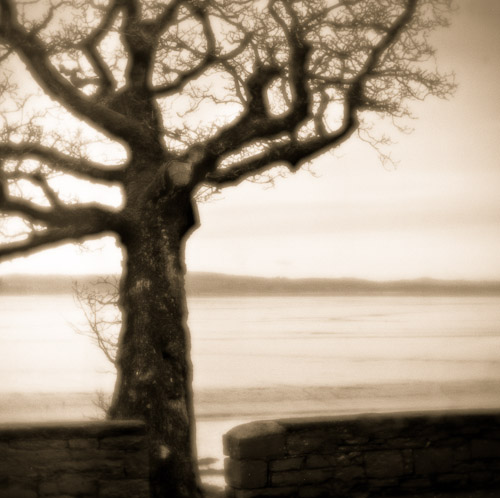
[435, 214]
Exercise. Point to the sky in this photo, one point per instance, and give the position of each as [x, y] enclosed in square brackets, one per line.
[435, 214]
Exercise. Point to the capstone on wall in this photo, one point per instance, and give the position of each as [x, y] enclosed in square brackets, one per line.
[428, 454]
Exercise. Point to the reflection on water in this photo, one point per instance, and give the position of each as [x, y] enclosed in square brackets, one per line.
[270, 341]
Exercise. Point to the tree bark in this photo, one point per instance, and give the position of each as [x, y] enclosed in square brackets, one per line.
[153, 364]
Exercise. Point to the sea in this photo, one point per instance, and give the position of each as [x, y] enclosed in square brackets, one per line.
[259, 342]
[266, 357]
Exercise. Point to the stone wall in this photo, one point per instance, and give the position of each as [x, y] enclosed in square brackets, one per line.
[365, 456]
[95, 459]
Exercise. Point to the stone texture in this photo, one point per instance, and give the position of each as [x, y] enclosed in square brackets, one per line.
[307, 442]
[255, 440]
[38, 444]
[120, 489]
[426, 455]
[122, 443]
[83, 443]
[381, 464]
[48, 488]
[485, 448]
[433, 460]
[286, 464]
[65, 461]
[17, 492]
[318, 461]
[350, 473]
[301, 477]
[136, 465]
[76, 484]
[248, 474]
[264, 493]
[313, 492]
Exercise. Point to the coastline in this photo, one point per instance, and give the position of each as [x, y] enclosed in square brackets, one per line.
[218, 410]
[271, 402]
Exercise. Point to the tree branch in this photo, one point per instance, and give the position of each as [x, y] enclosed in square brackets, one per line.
[166, 18]
[90, 44]
[62, 222]
[209, 60]
[256, 122]
[35, 55]
[62, 162]
[47, 238]
[391, 36]
[294, 152]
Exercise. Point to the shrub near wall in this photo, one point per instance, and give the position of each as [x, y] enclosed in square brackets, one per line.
[365, 456]
[97, 459]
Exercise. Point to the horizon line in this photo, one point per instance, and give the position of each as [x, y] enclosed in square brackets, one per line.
[419, 279]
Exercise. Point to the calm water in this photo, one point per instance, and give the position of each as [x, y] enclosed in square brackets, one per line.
[271, 341]
[315, 355]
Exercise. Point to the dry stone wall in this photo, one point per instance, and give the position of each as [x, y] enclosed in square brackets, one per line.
[77, 460]
[365, 456]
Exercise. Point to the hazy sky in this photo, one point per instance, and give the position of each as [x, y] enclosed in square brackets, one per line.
[437, 214]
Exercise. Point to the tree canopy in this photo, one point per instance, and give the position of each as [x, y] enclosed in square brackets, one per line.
[220, 90]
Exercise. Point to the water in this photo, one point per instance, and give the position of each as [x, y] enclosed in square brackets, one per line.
[332, 340]
[268, 357]
[269, 341]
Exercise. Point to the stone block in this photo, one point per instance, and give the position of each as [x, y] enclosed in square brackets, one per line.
[97, 454]
[229, 492]
[319, 461]
[387, 463]
[18, 491]
[462, 453]
[136, 488]
[433, 460]
[485, 448]
[380, 484]
[307, 442]
[416, 484]
[301, 477]
[83, 443]
[248, 474]
[76, 484]
[286, 464]
[452, 480]
[341, 459]
[32, 463]
[48, 488]
[100, 466]
[481, 477]
[256, 440]
[349, 474]
[264, 493]
[355, 441]
[38, 444]
[136, 465]
[122, 443]
[314, 492]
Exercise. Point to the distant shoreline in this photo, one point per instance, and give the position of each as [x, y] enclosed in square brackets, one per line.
[216, 284]
[278, 401]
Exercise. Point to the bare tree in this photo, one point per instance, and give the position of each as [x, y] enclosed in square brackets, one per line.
[163, 99]
[99, 304]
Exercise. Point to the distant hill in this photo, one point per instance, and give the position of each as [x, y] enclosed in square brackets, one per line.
[215, 284]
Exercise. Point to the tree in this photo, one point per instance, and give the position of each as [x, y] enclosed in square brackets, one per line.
[182, 96]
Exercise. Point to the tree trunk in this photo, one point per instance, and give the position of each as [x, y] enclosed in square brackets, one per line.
[154, 367]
